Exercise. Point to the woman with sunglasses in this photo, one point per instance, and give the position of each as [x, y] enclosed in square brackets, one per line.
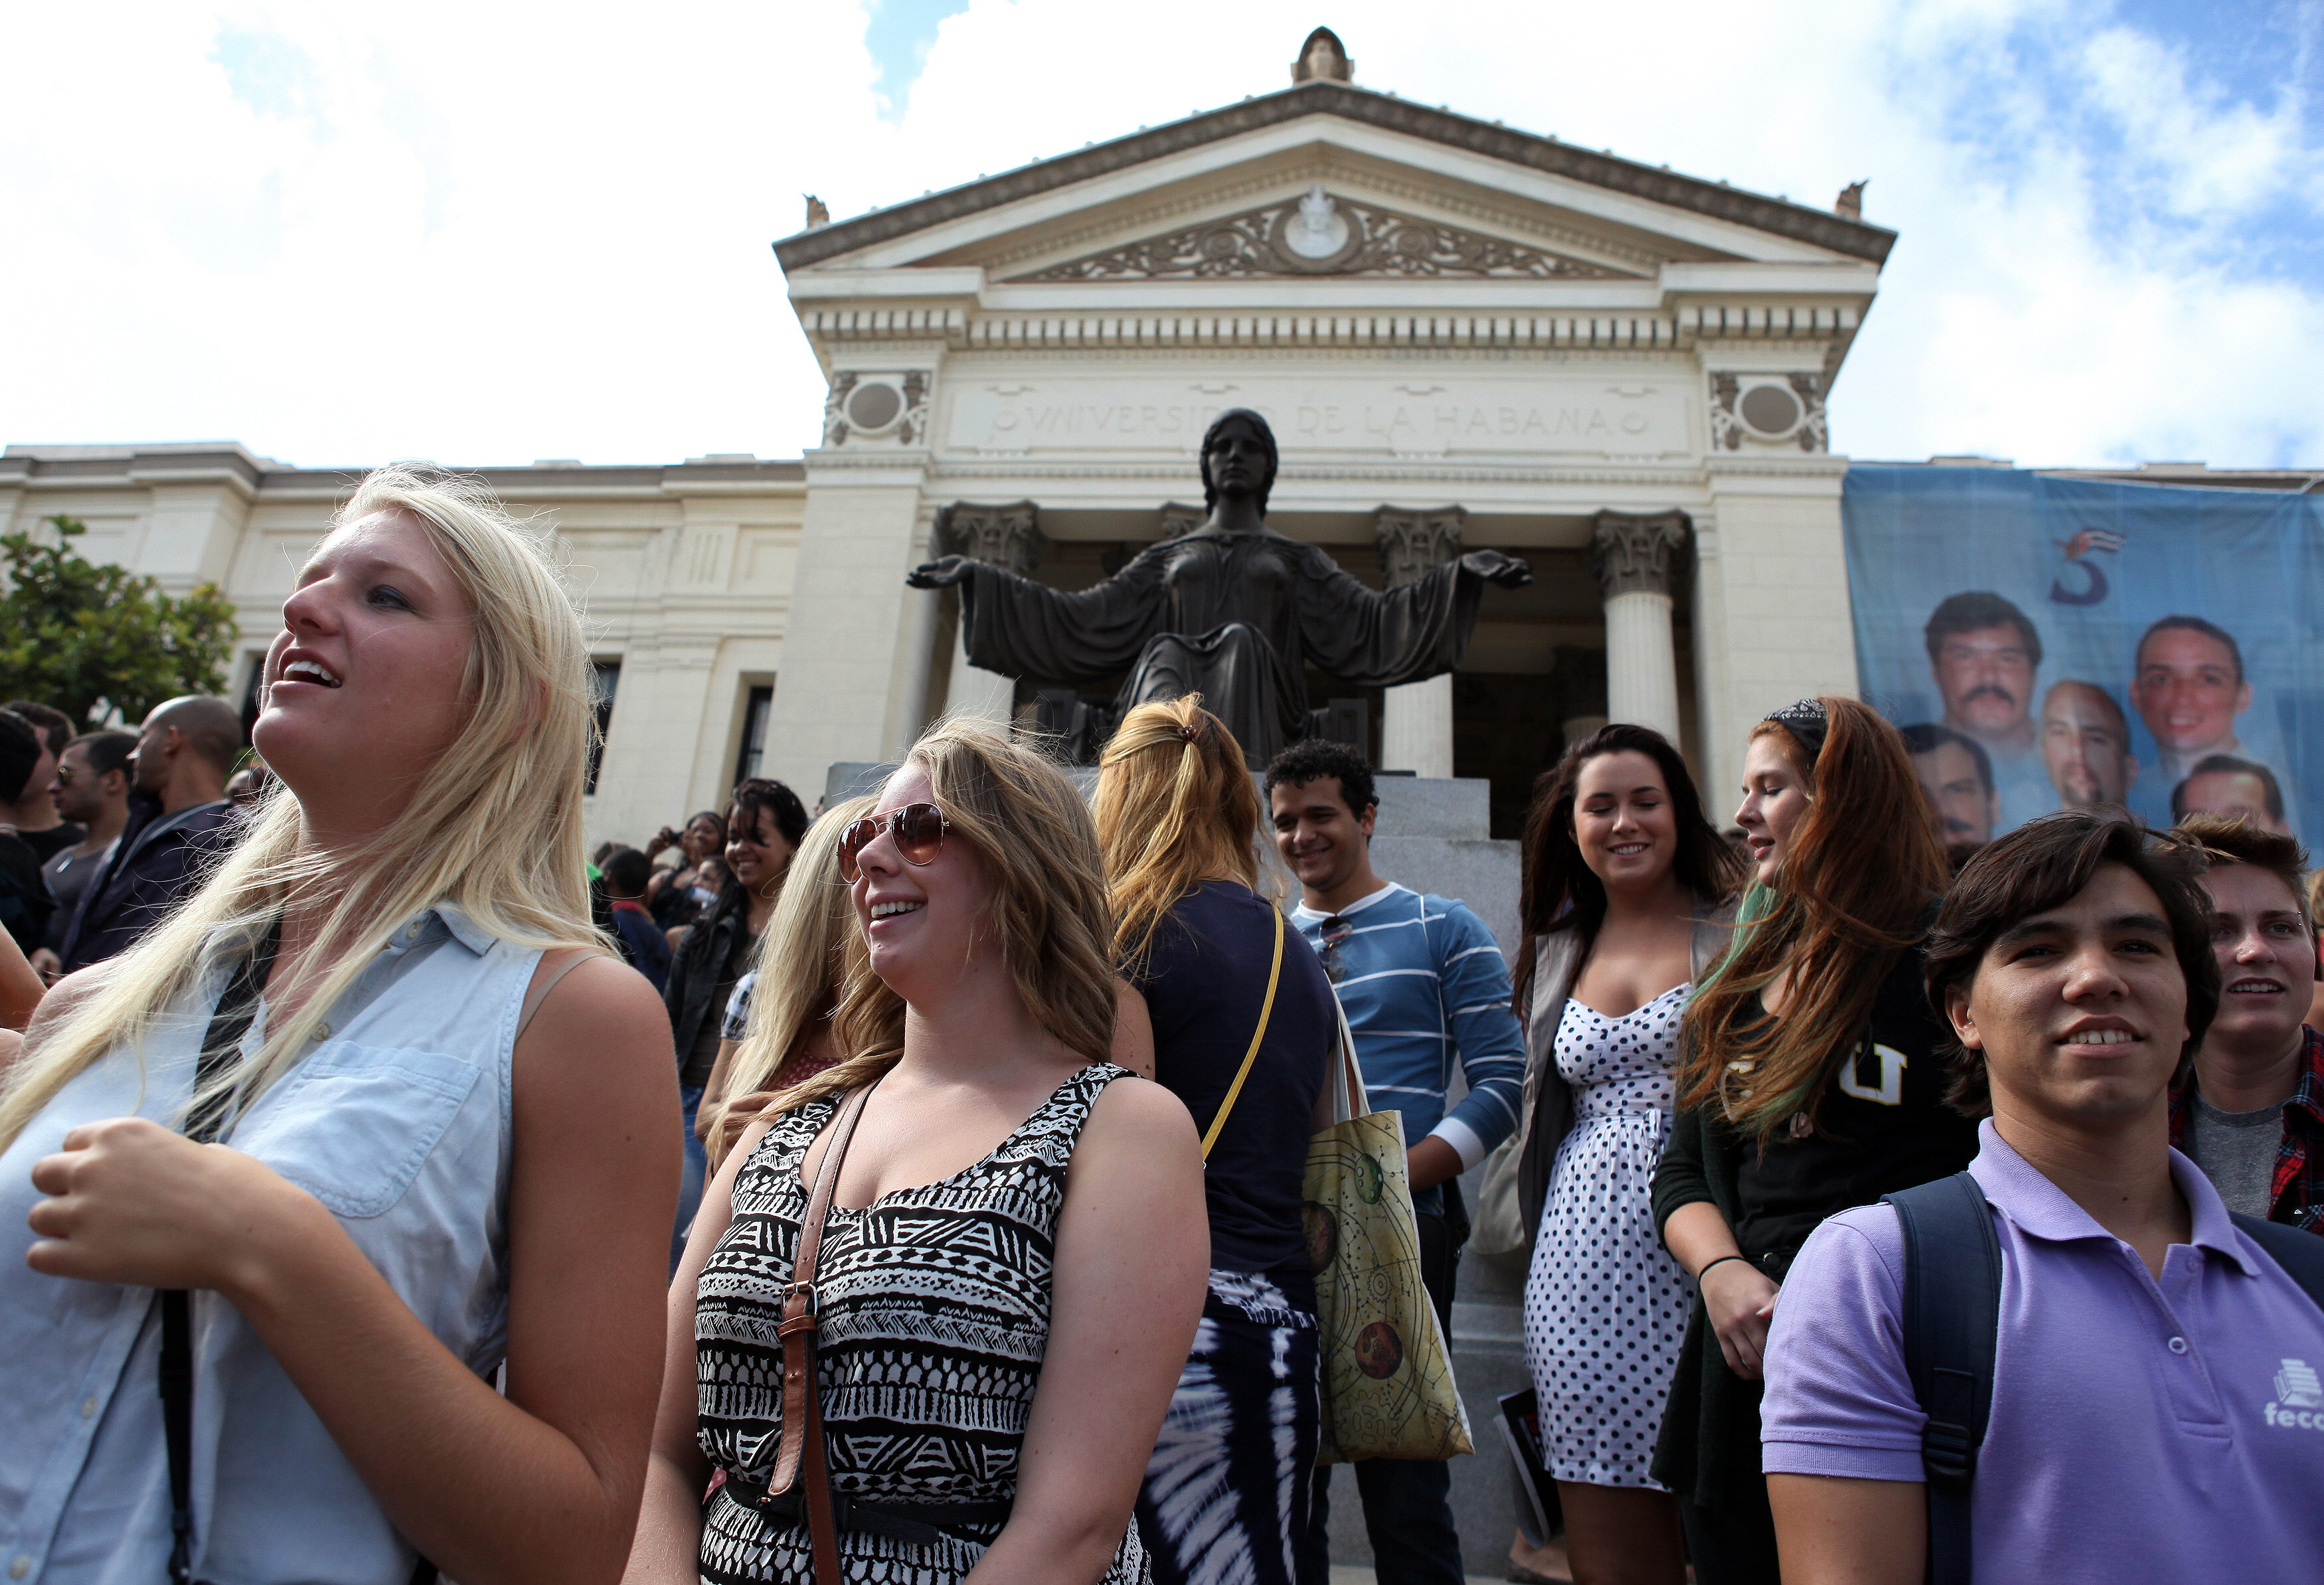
[1812, 1084]
[1625, 896]
[1012, 1266]
[1244, 1024]
[764, 824]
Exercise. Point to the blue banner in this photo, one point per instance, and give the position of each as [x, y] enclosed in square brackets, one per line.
[2048, 643]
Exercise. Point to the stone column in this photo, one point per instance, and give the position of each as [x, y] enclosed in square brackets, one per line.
[1417, 717]
[1009, 536]
[1636, 559]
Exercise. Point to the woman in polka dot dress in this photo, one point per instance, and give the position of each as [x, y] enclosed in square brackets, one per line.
[1625, 888]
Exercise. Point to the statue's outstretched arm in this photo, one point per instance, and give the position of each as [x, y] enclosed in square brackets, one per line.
[1376, 638]
[1018, 628]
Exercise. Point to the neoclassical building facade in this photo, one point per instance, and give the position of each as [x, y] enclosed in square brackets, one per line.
[1464, 336]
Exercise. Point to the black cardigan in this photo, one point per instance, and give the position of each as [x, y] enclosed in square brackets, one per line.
[1709, 1447]
[1708, 1450]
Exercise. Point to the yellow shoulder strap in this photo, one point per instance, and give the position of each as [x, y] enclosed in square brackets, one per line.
[1265, 1011]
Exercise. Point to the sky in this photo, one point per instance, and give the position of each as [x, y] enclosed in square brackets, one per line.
[485, 234]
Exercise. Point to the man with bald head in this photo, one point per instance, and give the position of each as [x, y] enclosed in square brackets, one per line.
[2086, 745]
[179, 820]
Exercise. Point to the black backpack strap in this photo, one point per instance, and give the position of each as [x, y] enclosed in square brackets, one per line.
[1952, 1315]
[237, 1006]
[2300, 1253]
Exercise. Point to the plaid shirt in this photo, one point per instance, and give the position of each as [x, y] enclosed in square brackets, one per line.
[2298, 1197]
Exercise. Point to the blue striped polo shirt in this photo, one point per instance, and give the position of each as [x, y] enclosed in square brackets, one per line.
[1424, 985]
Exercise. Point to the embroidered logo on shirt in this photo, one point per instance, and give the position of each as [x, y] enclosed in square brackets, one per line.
[2296, 1387]
[1889, 1091]
[2299, 1394]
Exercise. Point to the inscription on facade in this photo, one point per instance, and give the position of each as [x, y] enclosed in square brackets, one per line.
[1502, 416]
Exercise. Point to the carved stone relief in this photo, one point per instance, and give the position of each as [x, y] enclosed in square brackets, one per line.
[1007, 537]
[1320, 235]
[1632, 554]
[1767, 413]
[877, 407]
[1813, 435]
[1414, 544]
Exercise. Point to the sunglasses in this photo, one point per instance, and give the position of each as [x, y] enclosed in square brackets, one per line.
[1336, 932]
[918, 829]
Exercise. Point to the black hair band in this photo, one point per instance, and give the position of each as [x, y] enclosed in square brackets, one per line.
[1807, 720]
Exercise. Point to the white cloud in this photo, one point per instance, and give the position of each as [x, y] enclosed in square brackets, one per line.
[485, 234]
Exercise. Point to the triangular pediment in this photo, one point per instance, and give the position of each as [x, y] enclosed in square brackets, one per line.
[1432, 192]
[1320, 232]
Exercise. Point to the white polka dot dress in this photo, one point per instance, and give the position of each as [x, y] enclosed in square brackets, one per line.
[1605, 1305]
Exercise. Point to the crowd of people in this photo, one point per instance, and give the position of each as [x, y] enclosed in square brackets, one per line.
[911, 1190]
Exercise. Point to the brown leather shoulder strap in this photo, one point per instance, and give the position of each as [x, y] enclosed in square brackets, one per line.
[802, 1444]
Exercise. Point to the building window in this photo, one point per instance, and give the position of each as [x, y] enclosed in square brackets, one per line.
[754, 732]
[604, 677]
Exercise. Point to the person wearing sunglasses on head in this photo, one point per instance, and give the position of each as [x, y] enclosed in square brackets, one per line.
[1424, 985]
[1242, 1030]
[969, 1325]
[1811, 1083]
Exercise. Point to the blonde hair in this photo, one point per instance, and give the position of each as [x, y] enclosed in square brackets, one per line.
[492, 826]
[1025, 821]
[1175, 808]
[800, 958]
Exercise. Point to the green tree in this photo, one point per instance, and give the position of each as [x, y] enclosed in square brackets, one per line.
[90, 638]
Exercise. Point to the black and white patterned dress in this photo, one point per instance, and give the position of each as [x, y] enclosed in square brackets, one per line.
[933, 1322]
[1605, 1305]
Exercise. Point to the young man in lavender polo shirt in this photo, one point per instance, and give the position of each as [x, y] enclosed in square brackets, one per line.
[2156, 1406]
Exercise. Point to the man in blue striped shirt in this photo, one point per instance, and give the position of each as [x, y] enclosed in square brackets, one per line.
[1423, 985]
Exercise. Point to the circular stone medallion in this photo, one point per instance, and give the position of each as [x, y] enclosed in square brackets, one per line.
[1769, 408]
[874, 405]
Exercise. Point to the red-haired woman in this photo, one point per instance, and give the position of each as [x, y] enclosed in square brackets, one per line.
[1812, 1084]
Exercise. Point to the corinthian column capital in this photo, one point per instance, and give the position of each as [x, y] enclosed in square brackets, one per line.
[1007, 537]
[1634, 554]
[1414, 544]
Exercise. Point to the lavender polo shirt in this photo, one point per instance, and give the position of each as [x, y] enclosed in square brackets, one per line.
[2140, 1431]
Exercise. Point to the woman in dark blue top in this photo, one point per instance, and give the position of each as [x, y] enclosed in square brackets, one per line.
[1225, 1495]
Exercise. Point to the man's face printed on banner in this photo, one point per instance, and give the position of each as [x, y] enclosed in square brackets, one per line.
[2232, 795]
[1986, 677]
[2086, 746]
[1966, 811]
[2188, 692]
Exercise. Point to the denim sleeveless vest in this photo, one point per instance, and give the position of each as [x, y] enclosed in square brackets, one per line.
[398, 1121]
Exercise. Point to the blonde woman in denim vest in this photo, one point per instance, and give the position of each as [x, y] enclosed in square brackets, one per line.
[443, 1118]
